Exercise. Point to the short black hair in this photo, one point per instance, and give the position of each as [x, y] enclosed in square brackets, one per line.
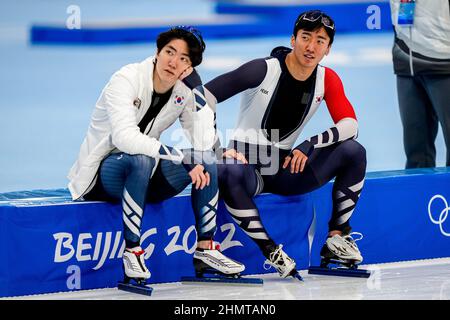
[193, 38]
[315, 19]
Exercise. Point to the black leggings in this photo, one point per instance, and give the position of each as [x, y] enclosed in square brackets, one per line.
[239, 183]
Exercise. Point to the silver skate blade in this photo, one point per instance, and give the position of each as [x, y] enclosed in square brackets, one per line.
[222, 280]
[342, 272]
[135, 288]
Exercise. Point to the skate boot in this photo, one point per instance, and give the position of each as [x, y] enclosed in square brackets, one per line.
[134, 264]
[341, 249]
[215, 262]
[211, 265]
[136, 273]
[340, 256]
[282, 263]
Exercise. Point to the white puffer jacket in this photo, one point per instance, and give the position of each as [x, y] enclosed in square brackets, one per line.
[114, 123]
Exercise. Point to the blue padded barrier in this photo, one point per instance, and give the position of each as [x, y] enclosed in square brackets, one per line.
[50, 243]
[236, 19]
[395, 214]
[59, 245]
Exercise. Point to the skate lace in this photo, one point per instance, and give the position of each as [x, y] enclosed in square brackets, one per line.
[351, 240]
[277, 258]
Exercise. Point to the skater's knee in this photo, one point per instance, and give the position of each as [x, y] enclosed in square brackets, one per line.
[233, 173]
[211, 169]
[142, 163]
[353, 151]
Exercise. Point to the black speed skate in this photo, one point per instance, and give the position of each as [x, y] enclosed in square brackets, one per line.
[340, 257]
[284, 264]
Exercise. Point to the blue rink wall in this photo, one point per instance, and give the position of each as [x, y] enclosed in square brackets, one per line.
[231, 20]
[51, 244]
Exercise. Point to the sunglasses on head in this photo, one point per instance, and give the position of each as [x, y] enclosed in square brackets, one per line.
[195, 32]
[315, 15]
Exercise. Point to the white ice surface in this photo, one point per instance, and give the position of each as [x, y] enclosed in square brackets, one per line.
[412, 280]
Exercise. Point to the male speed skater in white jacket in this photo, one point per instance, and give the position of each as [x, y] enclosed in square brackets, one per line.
[122, 159]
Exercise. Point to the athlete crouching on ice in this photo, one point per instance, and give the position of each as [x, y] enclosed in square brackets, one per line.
[122, 159]
[280, 95]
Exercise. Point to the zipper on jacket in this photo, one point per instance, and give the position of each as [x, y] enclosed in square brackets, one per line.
[151, 126]
[308, 107]
[266, 114]
[91, 184]
[90, 187]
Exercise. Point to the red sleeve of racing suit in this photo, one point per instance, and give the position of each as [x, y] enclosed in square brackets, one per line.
[341, 110]
[337, 103]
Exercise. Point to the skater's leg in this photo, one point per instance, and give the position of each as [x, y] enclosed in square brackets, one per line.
[170, 179]
[348, 184]
[345, 161]
[239, 183]
[204, 204]
[350, 174]
[126, 177]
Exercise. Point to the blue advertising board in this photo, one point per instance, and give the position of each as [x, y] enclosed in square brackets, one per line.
[51, 244]
[60, 245]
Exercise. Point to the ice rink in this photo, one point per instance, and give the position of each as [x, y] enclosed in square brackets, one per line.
[409, 280]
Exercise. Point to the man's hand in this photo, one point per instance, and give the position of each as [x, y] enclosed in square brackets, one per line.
[231, 153]
[199, 177]
[298, 161]
[186, 72]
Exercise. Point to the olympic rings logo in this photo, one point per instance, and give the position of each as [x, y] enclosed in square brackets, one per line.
[442, 216]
